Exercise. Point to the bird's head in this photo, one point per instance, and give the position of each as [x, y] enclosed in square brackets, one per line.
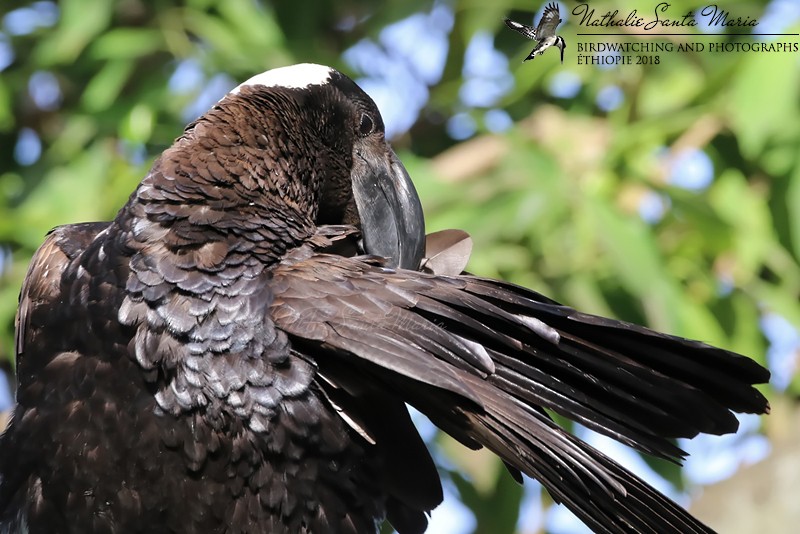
[305, 140]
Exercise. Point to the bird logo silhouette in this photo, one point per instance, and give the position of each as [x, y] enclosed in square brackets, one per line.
[544, 33]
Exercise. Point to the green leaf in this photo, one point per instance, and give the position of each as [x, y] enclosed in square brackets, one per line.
[77, 132]
[742, 206]
[747, 337]
[68, 194]
[634, 254]
[216, 32]
[80, 22]
[125, 43]
[252, 22]
[6, 111]
[755, 110]
[138, 124]
[776, 299]
[670, 88]
[104, 88]
[793, 208]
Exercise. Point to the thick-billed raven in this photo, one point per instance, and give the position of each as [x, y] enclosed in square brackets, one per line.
[234, 351]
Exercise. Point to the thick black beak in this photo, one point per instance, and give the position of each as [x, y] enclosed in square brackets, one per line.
[392, 223]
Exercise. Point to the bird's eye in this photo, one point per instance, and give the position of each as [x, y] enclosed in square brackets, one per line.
[366, 126]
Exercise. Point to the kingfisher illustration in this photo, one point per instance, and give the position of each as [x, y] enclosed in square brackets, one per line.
[544, 33]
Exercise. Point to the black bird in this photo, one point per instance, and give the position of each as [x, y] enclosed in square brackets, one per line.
[234, 351]
[544, 33]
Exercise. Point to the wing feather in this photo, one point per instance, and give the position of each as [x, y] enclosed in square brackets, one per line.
[42, 284]
[633, 384]
[41, 293]
[524, 29]
[550, 20]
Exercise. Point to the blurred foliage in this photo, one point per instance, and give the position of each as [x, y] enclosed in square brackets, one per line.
[553, 203]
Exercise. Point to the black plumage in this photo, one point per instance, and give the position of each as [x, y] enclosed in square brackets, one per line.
[234, 351]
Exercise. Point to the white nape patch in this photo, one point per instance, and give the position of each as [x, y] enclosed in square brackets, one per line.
[294, 76]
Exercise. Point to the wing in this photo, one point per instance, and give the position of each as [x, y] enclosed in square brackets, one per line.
[41, 293]
[550, 20]
[42, 285]
[481, 358]
[524, 29]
